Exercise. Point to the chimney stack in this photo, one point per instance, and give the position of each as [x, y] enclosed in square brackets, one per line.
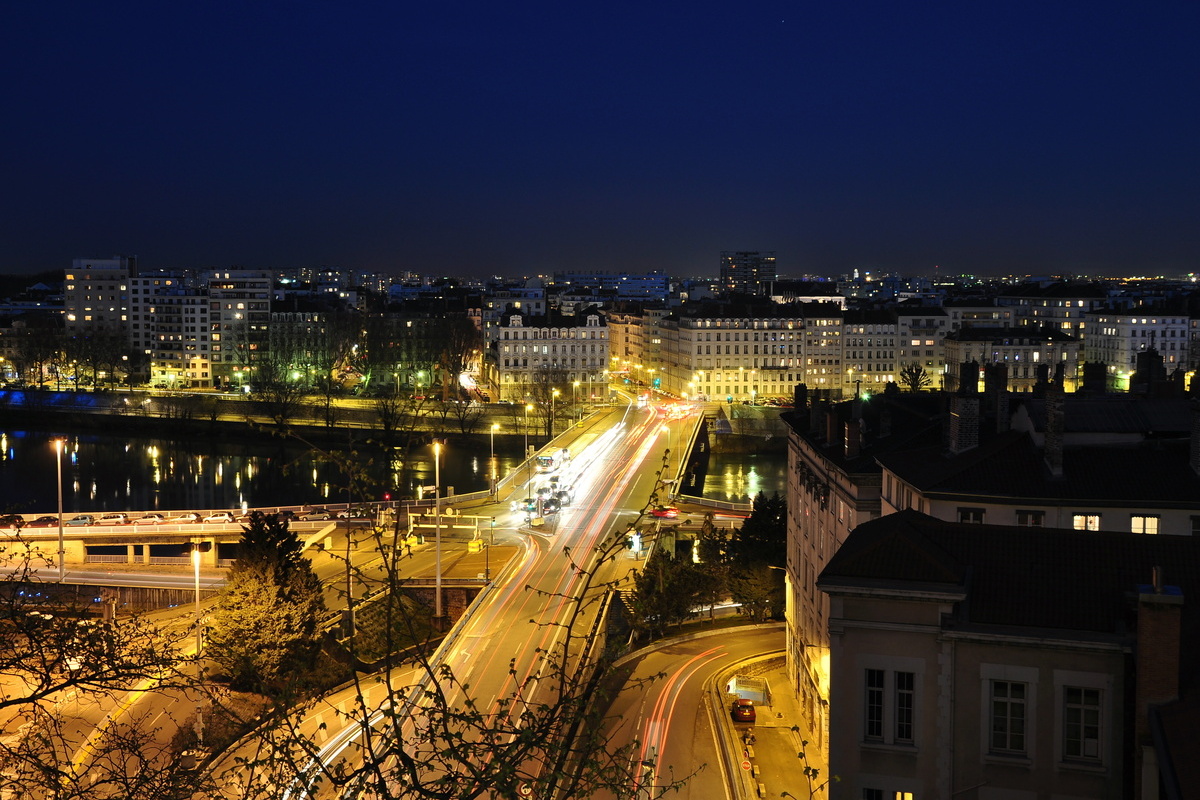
[853, 438]
[964, 422]
[1194, 453]
[1052, 450]
[1156, 654]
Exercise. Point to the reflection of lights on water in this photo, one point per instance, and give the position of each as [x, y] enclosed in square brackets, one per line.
[220, 475]
[237, 481]
[314, 476]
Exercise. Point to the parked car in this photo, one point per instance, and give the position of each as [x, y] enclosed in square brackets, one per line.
[743, 710]
[113, 519]
[81, 519]
[357, 512]
[48, 521]
[285, 515]
[13, 521]
[664, 512]
[315, 514]
[186, 518]
[219, 518]
[153, 518]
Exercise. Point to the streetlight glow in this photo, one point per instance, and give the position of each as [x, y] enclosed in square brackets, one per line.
[58, 450]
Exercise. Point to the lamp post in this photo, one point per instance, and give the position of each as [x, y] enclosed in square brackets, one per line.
[487, 554]
[437, 531]
[495, 427]
[667, 428]
[196, 550]
[553, 395]
[58, 448]
[528, 408]
[575, 398]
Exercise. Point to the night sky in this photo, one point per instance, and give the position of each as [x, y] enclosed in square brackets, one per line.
[515, 138]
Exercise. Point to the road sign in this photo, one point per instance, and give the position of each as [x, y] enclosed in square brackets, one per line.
[525, 790]
[746, 765]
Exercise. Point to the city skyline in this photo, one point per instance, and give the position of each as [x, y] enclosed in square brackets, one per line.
[479, 140]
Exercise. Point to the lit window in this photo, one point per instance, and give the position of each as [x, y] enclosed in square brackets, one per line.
[1085, 522]
[1144, 523]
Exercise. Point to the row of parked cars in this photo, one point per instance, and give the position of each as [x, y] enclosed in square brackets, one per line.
[181, 518]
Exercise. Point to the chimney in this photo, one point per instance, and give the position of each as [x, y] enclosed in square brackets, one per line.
[995, 379]
[1159, 612]
[885, 423]
[1194, 453]
[1052, 450]
[853, 438]
[964, 423]
[831, 426]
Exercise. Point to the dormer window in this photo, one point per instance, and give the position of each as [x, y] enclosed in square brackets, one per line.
[514, 321]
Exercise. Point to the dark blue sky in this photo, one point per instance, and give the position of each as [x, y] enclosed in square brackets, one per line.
[476, 138]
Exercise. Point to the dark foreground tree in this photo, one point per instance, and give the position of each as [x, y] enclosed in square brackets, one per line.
[914, 377]
[264, 630]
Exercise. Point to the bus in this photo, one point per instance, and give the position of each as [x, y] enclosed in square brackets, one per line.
[549, 463]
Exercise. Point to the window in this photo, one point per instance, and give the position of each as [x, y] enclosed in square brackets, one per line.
[1085, 522]
[1144, 523]
[904, 706]
[872, 794]
[1008, 717]
[874, 705]
[970, 515]
[1031, 519]
[1081, 723]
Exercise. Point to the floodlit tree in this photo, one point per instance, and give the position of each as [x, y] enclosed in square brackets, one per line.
[914, 377]
[666, 590]
[264, 628]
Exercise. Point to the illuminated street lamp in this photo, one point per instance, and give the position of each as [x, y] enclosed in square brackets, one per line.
[437, 530]
[58, 449]
[495, 427]
[575, 398]
[553, 395]
[528, 408]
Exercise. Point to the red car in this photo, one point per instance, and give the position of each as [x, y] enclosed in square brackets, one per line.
[743, 710]
[664, 512]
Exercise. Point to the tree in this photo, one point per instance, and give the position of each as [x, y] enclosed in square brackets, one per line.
[762, 538]
[914, 377]
[264, 628]
[63, 671]
[665, 593]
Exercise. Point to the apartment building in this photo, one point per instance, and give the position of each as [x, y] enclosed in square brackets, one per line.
[239, 318]
[996, 662]
[534, 352]
[1030, 355]
[1116, 337]
[96, 295]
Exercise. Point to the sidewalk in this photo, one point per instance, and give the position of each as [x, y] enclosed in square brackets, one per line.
[770, 746]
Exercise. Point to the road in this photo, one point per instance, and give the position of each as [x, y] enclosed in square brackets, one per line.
[663, 708]
[506, 650]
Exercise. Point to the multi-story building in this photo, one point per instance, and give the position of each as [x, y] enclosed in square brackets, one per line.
[1115, 337]
[653, 285]
[239, 317]
[1061, 306]
[553, 350]
[1031, 355]
[834, 484]
[179, 352]
[1001, 662]
[921, 332]
[96, 295]
[747, 272]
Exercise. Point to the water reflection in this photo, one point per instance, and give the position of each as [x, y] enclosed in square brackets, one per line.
[738, 478]
[109, 473]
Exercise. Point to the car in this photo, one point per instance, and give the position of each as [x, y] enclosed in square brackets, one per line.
[80, 519]
[219, 518]
[742, 710]
[550, 506]
[13, 521]
[113, 519]
[664, 512]
[315, 514]
[528, 505]
[153, 518]
[357, 512]
[564, 496]
[186, 518]
[48, 521]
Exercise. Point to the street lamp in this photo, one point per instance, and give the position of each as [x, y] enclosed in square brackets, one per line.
[575, 398]
[553, 395]
[437, 530]
[487, 554]
[667, 428]
[495, 427]
[528, 408]
[58, 448]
